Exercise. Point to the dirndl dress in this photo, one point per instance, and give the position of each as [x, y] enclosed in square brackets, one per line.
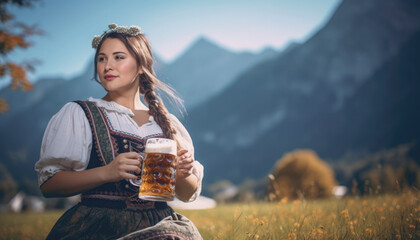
[113, 210]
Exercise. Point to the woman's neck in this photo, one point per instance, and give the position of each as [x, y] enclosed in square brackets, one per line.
[131, 101]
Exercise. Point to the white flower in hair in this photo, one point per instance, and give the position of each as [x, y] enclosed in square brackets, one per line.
[120, 29]
[96, 40]
[132, 31]
[112, 26]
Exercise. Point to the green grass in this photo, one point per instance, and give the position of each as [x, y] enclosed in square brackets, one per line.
[28, 225]
[379, 217]
[376, 217]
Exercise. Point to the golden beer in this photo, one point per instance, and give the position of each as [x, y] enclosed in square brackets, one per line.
[159, 170]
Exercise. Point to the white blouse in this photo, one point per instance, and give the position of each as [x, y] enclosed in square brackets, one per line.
[67, 141]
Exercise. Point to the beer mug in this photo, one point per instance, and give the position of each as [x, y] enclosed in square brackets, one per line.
[159, 170]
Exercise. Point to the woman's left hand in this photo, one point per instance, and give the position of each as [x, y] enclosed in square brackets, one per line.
[184, 163]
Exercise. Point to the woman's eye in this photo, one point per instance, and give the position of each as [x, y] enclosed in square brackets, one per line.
[119, 57]
[101, 59]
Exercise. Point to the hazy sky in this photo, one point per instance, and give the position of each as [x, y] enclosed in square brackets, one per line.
[239, 25]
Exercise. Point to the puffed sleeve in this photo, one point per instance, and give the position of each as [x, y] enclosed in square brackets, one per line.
[66, 144]
[185, 141]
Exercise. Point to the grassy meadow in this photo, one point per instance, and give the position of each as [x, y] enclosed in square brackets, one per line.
[370, 217]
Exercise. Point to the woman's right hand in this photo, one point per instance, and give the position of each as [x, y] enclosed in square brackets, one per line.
[120, 168]
[69, 183]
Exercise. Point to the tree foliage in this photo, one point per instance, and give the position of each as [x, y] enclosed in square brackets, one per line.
[14, 35]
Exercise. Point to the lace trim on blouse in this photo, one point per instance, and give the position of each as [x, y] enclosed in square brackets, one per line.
[111, 106]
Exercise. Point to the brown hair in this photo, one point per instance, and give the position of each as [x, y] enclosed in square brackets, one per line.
[140, 48]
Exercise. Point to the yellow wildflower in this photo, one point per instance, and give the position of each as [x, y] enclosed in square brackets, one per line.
[292, 236]
[345, 213]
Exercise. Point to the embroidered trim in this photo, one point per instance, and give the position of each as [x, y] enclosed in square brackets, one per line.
[100, 132]
[112, 141]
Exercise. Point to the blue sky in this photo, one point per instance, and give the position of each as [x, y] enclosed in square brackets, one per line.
[240, 25]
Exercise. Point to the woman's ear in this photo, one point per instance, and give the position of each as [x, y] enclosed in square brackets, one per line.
[140, 71]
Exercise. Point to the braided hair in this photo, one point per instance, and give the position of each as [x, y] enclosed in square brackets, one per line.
[139, 47]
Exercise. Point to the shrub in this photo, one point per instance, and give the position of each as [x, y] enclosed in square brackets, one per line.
[301, 173]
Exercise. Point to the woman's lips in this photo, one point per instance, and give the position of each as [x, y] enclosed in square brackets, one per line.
[110, 77]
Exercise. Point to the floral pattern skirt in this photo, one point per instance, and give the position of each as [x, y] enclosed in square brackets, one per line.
[90, 222]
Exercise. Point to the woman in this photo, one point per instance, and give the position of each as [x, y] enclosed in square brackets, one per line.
[93, 147]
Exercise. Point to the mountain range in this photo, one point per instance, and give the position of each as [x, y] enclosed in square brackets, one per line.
[332, 94]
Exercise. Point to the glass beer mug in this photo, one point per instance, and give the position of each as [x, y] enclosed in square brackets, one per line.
[159, 170]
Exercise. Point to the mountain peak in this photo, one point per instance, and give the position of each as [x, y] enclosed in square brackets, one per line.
[201, 47]
[203, 44]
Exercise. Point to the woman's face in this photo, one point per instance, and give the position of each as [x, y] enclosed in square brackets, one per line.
[116, 67]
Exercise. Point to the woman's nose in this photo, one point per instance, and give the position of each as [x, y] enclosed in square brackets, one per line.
[108, 66]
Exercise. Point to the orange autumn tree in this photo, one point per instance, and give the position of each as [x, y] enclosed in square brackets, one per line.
[14, 35]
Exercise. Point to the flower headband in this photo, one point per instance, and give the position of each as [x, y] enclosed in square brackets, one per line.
[132, 31]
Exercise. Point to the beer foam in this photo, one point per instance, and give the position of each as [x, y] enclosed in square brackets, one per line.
[165, 146]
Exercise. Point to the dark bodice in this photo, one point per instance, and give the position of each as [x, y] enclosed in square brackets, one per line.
[106, 145]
